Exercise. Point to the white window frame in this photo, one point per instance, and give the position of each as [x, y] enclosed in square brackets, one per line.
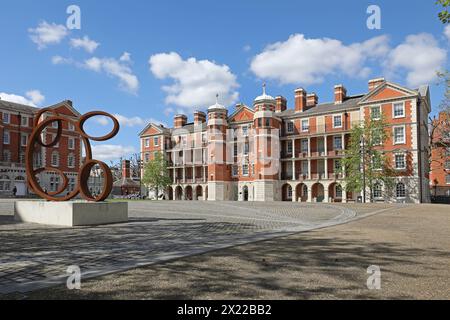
[245, 168]
[156, 141]
[289, 147]
[71, 156]
[305, 129]
[69, 142]
[336, 191]
[23, 142]
[404, 135]
[7, 119]
[381, 190]
[71, 126]
[307, 145]
[371, 112]
[55, 165]
[396, 191]
[403, 110]
[6, 137]
[336, 116]
[290, 127]
[235, 171]
[395, 161]
[336, 168]
[244, 130]
[146, 143]
[334, 143]
[24, 121]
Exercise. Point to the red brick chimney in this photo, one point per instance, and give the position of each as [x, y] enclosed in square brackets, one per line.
[281, 104]
[300, 100]
[126, 169]
[340, 94]
[375, 83]
[199, 117]
[312, 100]
[179, 121]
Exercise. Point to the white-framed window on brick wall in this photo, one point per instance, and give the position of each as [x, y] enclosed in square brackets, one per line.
[71, 143]
[55, 159]
[290, 127]
[375, 112]
[337, 121]
[400, 190]
[399, 134]
[400, 161]
[71, 160]
[398, 110]
[6, 137]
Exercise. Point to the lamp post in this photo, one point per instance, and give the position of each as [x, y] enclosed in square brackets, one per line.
[364, 167]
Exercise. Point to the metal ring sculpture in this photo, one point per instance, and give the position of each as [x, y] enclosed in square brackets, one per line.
[82, 187]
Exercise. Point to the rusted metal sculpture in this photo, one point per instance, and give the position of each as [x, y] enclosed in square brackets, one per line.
[82, 187]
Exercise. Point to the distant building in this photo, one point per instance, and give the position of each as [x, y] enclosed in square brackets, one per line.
[126, 185]
[440, 157]
[16, 125]
[269, 152]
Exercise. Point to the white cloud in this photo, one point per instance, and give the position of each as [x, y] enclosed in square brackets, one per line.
[46, 34]
[126, 57]
[84, 43]
[447, 32]
[129, 121]
[61, 60]
[109, 152]
[33, 98]
[419, 56]
[247, 48]
[196, 82]
[117, 69]
[309, 61]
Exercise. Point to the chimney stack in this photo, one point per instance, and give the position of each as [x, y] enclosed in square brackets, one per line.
[281, 104]
[126, 169]
[300, 100]
[340, 94]
[199, 117]
[312, 100]
[375, 83]
[180, 121]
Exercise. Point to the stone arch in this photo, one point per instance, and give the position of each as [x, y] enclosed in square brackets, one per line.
[198, 193]
[318, 192]
[301, 192]
[178, 193]
[189, 193]
[245, 193]
[336, 192]
[170, 193]
[286, 192]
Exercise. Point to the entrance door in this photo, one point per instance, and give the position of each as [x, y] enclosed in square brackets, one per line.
[245, 193]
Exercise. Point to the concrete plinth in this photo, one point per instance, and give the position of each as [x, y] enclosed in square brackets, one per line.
[71, 213]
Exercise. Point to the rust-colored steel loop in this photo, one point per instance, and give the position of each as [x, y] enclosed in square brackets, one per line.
[82, 187]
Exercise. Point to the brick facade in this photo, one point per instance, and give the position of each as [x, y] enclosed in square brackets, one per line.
[440, 156]
[16, 125]
[270, 152]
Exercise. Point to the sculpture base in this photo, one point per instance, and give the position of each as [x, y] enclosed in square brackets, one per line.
[71, 213]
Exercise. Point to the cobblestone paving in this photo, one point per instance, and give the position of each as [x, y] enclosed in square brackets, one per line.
[34, 256]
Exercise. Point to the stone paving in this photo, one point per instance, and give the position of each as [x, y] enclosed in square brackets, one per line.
[34, 256]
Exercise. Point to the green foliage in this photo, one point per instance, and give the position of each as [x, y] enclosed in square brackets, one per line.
[156, 174]
[444, 15]
[364, 161]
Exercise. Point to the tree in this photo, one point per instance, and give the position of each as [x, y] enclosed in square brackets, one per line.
[156, 176]
[364, 163]
[444, 15]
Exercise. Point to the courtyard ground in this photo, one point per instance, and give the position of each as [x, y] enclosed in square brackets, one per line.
[411, 245]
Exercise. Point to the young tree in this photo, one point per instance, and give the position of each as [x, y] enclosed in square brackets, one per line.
[156, 175]
[365, 163]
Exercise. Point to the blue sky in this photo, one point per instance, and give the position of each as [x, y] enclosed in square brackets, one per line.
[147, 60]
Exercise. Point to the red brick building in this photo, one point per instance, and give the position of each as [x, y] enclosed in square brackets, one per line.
[270, 152]
[440, 156]
[16, 125]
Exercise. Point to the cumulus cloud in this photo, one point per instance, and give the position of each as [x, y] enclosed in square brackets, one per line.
[419, 56]
[309, 61]
[129, 121]
[447, 32]
[121, 70]
[61, 60]
[126, 57]
[109, 152]
[33, 98]
[195, 82]
[47, 34]
[84, 43]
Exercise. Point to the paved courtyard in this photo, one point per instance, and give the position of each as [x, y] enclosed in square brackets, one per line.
[34, 256]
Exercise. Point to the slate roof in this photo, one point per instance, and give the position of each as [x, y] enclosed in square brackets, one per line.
[16, 107]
